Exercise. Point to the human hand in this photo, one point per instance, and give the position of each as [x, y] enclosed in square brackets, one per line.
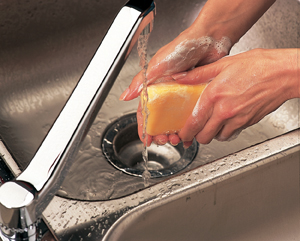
[203, 42]
[188, 50]
[245, 88]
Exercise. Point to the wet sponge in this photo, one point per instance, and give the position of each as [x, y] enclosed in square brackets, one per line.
[169, 105]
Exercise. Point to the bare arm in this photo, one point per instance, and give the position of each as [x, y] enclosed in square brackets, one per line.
[218, 19]
[231, 18]
[219, 25]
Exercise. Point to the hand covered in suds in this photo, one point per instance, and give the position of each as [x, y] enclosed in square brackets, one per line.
[182, 54]
[245, 88]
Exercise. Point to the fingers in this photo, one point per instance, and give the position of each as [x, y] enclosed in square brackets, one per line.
[209, 121]
[174, 139]
[197, 120]
[208, 133]
[228, 133]
[134, 89]
[214, 128]
[199, 75]
[155, 71]
[160, 139]
[172, 58]
[136, 86]
[187, 144]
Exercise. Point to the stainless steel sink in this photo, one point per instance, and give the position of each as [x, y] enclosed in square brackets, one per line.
[249, 195]
[45, 47]
[259, 201]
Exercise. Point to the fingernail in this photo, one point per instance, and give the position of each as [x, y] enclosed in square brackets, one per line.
[187, 144]
[124, 94]
[146, 143]
[140, 88]
[179, 75]
[173, 144]
[160, 142]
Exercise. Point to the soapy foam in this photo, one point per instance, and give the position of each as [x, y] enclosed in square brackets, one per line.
[223, 45]
[198, 107]
[186, 54]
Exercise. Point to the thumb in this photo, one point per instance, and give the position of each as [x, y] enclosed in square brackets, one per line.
[198, 75]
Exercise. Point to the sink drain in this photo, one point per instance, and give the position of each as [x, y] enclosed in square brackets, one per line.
[123, 149]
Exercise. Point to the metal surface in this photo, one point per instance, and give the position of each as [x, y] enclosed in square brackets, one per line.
[45, 47]
[104, 182]
[260, 203]
[257, 175]
[42, 61]
[23, 200]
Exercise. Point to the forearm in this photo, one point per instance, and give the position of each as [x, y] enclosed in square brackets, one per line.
[282, 67]
[230, 18]
[292, 70]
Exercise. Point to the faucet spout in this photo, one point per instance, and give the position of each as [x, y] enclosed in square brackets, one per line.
[23, 200]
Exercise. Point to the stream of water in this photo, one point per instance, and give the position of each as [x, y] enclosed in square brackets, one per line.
[142, 51]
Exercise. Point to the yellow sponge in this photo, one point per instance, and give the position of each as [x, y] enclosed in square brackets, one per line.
[169, 105]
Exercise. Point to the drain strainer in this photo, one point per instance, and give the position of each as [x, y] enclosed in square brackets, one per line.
[123, 149]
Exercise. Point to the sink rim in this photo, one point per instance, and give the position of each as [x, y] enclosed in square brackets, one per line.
[114, 214]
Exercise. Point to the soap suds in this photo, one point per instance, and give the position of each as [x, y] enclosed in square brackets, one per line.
[223, 45]
[187, 54]
[198, 107]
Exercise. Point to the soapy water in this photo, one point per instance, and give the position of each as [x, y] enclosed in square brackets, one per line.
[142, 51]
[187, 54]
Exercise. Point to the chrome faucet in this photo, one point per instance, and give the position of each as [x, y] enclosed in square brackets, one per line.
[23, 200]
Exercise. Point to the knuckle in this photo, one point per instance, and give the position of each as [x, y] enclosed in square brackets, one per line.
[226, 114]
[241, 121]
[226, 111]
[203, 140]
[194, 126]
[214, 95]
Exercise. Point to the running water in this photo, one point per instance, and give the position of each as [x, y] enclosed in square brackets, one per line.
[142, 51]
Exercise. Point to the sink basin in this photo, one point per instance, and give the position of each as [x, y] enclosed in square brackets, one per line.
[45, 47]
[249, 195]
[260, 203]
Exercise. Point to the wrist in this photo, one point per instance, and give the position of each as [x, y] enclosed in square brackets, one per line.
[286, 67]
[230, 18]
[295, 69]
